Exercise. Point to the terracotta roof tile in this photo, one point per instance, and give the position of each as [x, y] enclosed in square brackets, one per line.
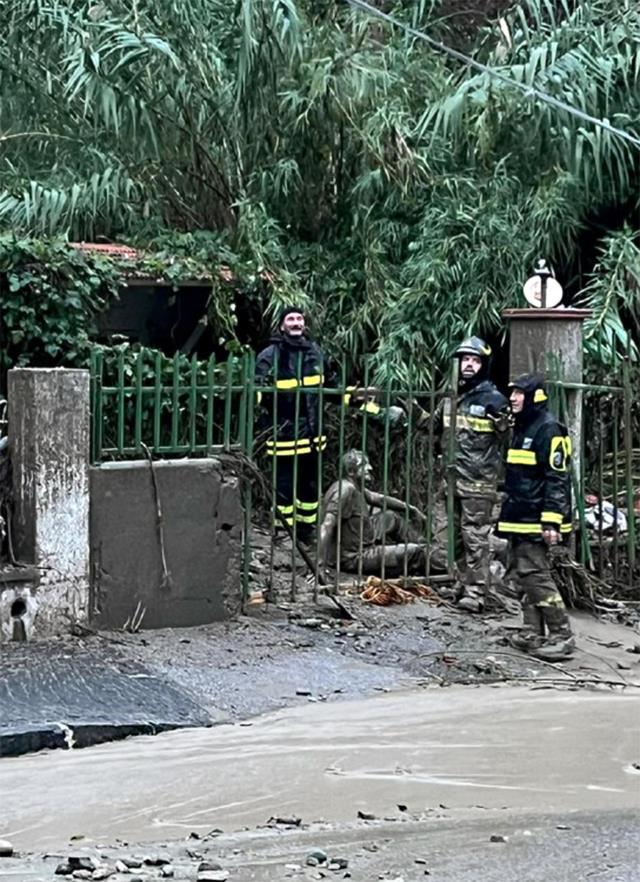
[111, 250]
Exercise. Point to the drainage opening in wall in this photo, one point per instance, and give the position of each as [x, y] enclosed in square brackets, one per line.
[18, 611]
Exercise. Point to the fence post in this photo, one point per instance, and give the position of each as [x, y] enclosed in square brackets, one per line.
[540, 335]
[49, 443]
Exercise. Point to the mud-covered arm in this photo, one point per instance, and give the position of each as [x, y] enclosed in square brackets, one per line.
[327, 533]
[392, 503]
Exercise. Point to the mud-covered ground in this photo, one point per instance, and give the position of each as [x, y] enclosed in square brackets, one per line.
[314, 773]
[496, 783]
[279, 655]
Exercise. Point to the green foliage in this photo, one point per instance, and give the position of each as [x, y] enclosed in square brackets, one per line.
[401, 196]
[613, 295]
[49, 294]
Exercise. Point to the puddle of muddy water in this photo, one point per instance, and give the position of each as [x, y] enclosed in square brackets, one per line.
[529, 751]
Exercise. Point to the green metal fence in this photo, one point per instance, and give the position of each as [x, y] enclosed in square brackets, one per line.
[173, 407]
[603, 488]
[183, 407]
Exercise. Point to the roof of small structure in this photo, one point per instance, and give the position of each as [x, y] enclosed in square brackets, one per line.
[125, 252]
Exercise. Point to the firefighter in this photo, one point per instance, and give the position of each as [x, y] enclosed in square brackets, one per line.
[482, 425]
[295, 366]
[535, 516]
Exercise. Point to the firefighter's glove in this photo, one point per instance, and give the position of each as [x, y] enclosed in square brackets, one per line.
[356, 396]
[503, 421]
[396, 416]
[419, 415]
[550, 536]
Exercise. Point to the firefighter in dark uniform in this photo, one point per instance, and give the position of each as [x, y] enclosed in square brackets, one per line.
[535, 515]
[482, 424]
[295, 366]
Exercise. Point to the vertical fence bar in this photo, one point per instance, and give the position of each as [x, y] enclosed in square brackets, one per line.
[343, 407]
[157, 401]
[248, 403]
[385, 476]
[242, 403]
[274, 465]
[296, 472]
[120, 394]
[408, 483]
[615, 487]
[95, 393]
[451, 468]
[628, 466]
[137, 432]
[601, 491]
[430, 464]
[211, 374]
[319, 471]
[193, 402]
[365, 425]
[175, 401]
[228, 400]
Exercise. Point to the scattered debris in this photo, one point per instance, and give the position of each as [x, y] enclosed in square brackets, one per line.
[156, 860]
[292, 821]
[213, 876]
[384, 592]
[317, 856]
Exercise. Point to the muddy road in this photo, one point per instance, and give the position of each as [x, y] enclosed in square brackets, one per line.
[436, 773]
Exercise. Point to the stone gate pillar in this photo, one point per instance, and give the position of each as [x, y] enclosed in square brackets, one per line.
[49, 449]
[549, 341]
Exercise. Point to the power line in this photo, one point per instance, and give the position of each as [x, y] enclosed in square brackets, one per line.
[528, 91]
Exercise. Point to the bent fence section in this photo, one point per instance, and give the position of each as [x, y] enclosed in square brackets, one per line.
[288, 440]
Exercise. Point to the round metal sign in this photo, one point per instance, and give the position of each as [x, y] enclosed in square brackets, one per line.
[533, 292]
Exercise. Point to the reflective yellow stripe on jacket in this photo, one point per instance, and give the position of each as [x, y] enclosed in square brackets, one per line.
[296, 447]
[515, 456]
[476, 424]
[528, 529]
[312, 380]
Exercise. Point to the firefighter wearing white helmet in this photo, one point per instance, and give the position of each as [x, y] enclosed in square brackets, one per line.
[482, 423]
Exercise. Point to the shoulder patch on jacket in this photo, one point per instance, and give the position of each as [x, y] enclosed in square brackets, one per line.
[559, 452]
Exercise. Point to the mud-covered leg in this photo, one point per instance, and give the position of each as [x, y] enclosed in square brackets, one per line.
[475, 529]
[542, 604]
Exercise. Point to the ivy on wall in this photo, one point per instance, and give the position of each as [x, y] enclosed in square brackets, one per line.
[52, 292]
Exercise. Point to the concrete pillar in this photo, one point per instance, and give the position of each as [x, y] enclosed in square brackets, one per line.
[549, 341]
[49, 449]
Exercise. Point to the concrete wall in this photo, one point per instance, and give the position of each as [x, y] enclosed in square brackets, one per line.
[49, 450]
[202, 517]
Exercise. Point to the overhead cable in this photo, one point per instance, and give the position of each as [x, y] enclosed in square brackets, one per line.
[528, 91]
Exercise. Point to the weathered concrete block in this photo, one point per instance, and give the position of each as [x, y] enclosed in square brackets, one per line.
[49, 449]
[202, 526]
[549, 341]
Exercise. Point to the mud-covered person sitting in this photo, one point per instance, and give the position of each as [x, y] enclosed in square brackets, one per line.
[368, 538]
